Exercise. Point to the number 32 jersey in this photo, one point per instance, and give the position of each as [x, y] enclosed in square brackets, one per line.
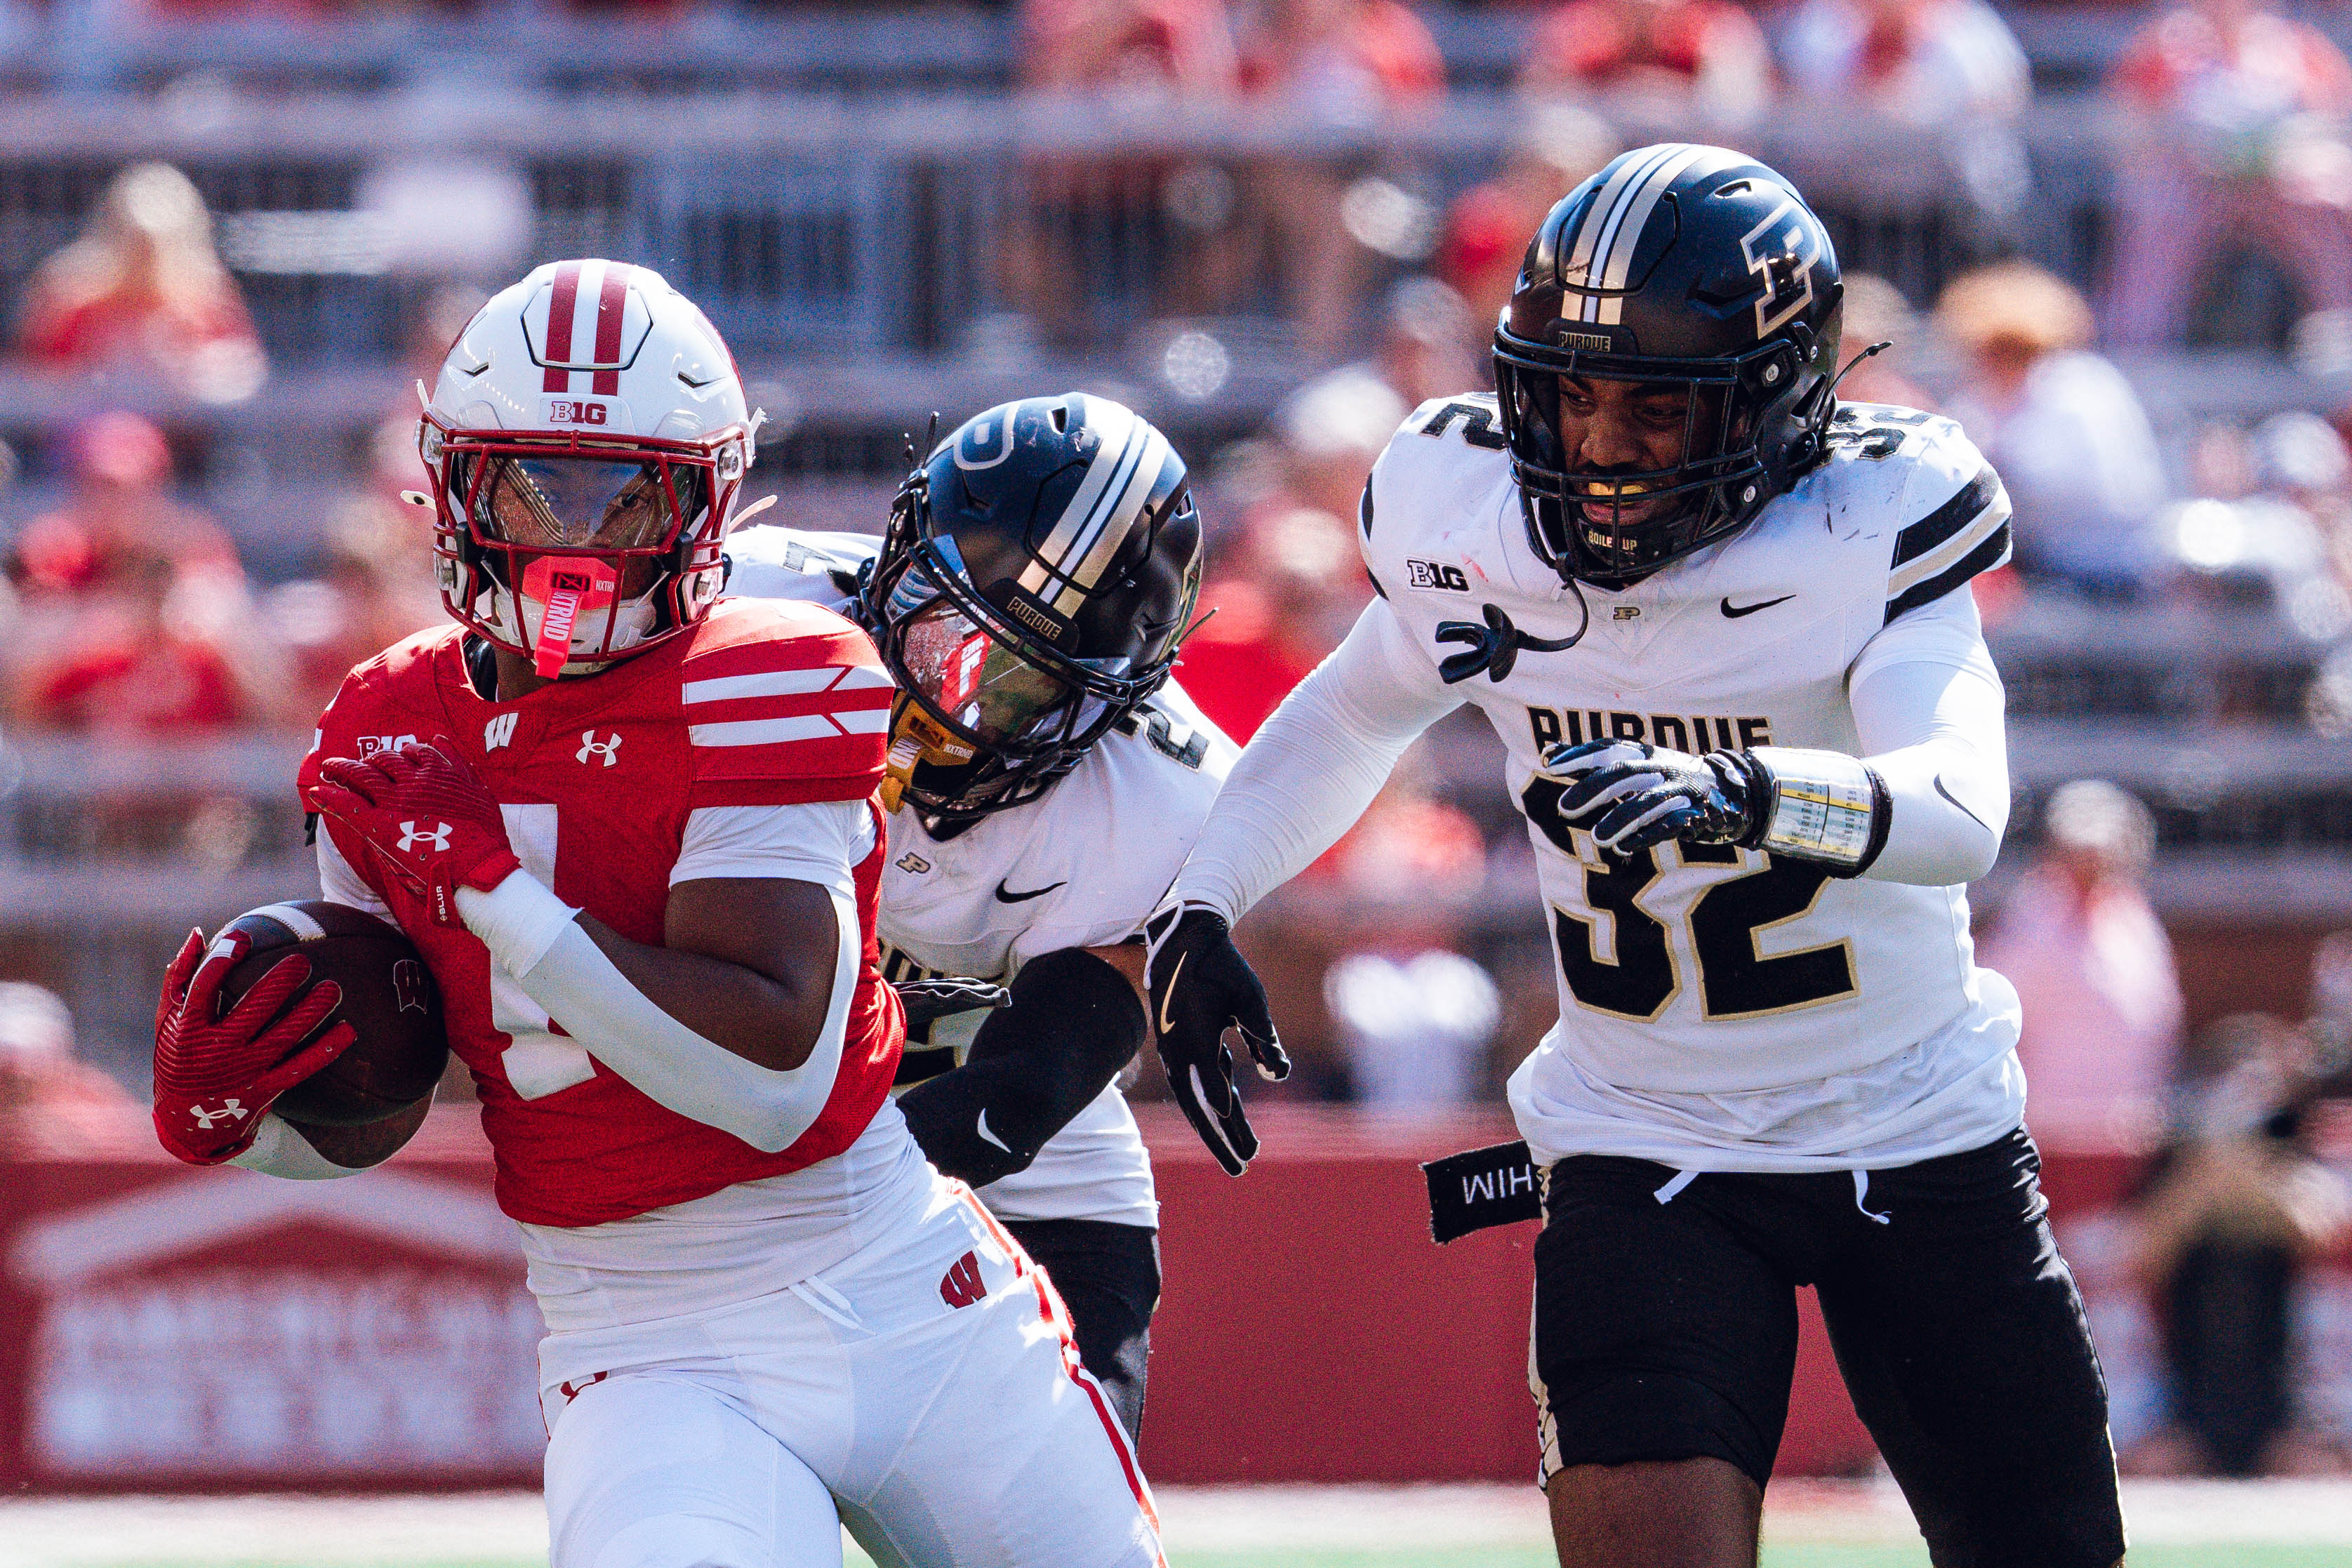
[1720, 1008]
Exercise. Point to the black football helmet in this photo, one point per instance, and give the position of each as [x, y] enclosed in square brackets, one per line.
[1031, 593]
[1684, 265]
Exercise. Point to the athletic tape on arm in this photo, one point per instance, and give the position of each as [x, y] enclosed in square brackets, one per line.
[533, 936]
[1927, 705]
[1313, 767]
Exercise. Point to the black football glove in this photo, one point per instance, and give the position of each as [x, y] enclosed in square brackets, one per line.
[927, 1001]
[1200, 985]
[1631, 795]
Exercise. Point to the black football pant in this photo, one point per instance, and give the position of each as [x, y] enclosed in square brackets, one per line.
[1666, 1329]
[1109, 1277]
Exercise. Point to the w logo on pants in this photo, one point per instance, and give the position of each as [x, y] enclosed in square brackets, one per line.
[960, 1286]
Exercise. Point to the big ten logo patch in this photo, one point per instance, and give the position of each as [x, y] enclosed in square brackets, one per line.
[371, 744]
[1692, 732]
[1436, 574]
[962, 1285]
[576, 411]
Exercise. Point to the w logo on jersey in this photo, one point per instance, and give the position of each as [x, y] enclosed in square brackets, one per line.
[498, 732]
[962, 1285]
[408, 986]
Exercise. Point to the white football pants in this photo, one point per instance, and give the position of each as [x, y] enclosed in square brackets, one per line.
[924, 1392]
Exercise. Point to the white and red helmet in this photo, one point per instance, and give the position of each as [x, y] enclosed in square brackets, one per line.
[587, 439]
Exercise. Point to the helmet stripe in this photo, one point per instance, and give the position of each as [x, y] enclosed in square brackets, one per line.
[561, 301]
[612, 304]
[1117, 427]
[1612, 235]
[1637, 218]
[1142, 486]
[1596, 218]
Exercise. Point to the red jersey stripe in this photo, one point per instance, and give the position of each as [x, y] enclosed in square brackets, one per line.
[612, 304]
[560, 303]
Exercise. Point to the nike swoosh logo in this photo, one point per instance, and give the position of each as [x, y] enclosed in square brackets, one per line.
[1005, 896]
[991, 1137]
[1731, 614]
[1168, 995]
[1971, 815]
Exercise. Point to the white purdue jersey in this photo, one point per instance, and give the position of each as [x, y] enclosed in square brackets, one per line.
[1721, 1009]
[1081, 867]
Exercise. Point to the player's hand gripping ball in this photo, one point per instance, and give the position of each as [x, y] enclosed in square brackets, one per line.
[428, 820]
[1199, 986]
[1631, 795]
[215, 1073]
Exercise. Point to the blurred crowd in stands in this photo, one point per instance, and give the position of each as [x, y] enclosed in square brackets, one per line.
[128, 614]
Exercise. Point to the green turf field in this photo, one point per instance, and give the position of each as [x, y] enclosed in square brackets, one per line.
[2279, 1524]
[1807, 1555]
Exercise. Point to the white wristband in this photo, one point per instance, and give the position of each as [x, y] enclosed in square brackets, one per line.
[518, 921]
[1821, 805]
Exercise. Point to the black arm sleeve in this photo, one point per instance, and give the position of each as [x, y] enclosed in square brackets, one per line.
[1074, 1022]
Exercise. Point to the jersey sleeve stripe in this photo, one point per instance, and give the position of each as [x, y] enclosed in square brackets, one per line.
[841, 647]
[784, 683]
[1963, 542]
[799, 727]
[1951, 517]
[1989, 554]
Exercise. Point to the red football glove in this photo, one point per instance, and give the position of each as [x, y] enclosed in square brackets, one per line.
[430, 822]
[215, 1077]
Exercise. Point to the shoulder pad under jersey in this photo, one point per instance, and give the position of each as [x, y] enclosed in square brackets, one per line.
[766, 562]
[1428, 517]
[382, 704]
[1950, 513]
[783, 701]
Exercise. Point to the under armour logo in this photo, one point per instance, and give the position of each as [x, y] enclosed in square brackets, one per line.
[234, 1111]
[498, 732]
[590, 746]
[962, 1285]
[437, 835]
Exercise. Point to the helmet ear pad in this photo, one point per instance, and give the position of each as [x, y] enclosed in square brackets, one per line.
[1793, 425]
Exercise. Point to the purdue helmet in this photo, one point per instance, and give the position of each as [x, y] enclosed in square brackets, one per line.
[1030, 592]
[1682, 265]
[587, 438]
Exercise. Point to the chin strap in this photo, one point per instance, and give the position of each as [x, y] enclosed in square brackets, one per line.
[1496, 647]
[915, 741]
[1839, 380]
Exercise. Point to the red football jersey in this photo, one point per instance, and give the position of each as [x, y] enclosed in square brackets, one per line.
[763, 703]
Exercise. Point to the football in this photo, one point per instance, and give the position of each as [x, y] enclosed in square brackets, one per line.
[389, 999]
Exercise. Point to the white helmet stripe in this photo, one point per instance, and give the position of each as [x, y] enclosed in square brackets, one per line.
[1100, 496]
[1615, 236]
[1142, 483]
[1620, 261]
[1596, 218]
